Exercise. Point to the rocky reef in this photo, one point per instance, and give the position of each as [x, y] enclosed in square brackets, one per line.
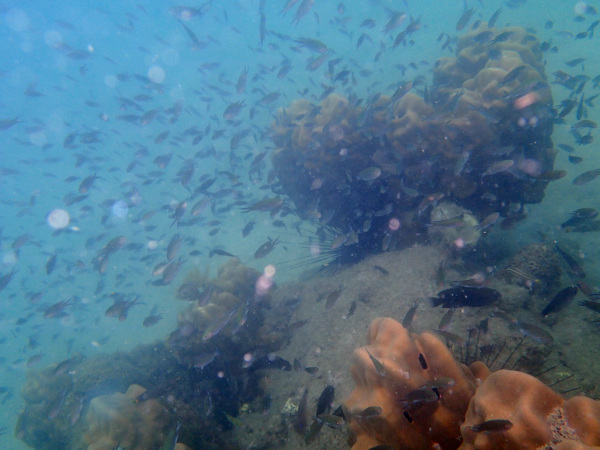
[478, 137]
[430, 400]
[195, 382]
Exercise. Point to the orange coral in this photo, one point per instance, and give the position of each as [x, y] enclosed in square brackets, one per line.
[541, 418]
[397, 368]
[398, 350]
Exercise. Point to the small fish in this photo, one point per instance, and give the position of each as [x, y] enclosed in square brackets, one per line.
[464, 19]
[381, 269]
[219, 323]
[492, 425]
[459, 296]
[152, 319]
[571, 262]
[586, 177]
[430, 200]
[513, 75]
[560, 300]
[488, 221]
[534, 332]
[446, 320]
[593, 225]
[216, 251]
[422, 361]
[368, 413]
[331, 420]
[232, 111]
[87, 183]
[369, 174]
[333, 297]
[265, 248]
[594, 306]
[267, 204]
[50, 264]
[418, 397]
[379, 367]
[457, 221]
[498, 167]
[440, 274]
[450, 337]
[410, 315]
[351, 311]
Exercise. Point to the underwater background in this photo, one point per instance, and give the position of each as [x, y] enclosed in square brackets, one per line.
[236, 185]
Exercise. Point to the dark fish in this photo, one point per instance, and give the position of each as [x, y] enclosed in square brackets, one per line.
[173, 247]
[161, 388]
[410, 315]
[594, 306]
[351, 311]
[333, 297]
[422, 361]
[265, 248]
[381, 269]
[575, 159]
[271, 362]
[325, 402]
[494, 18]
[460, 296]
[87, 183]
[464, 19]
[120, 308]
[152, 319]
[586, 177]
[573, 264]
[593, 225]
[513, 75]
[50, 264]
[216, 251]
[300, 422]
[417, 398]
[492, 425]
[560, 300]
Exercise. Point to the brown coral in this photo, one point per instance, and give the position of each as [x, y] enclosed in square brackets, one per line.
[414, 364]
[541, 418]
[116, 419]
[398, 351]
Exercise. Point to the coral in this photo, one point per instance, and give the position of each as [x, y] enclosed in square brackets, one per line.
[412, 416]
[231, 295]
[514, 396]
[116, 419]
[541, 261]
[398, 351]
[479, 135]
[456, 235]
[541, 418]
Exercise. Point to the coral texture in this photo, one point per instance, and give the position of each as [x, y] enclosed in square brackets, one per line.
[398, 350]
[398, 371]
[116, 420]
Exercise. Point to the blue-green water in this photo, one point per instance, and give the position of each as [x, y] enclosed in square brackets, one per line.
[106, 89]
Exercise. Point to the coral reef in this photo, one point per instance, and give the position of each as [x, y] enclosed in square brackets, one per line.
[429, 400]
[480, 136]
[117, 419]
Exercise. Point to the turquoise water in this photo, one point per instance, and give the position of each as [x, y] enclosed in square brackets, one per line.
[88, 89]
